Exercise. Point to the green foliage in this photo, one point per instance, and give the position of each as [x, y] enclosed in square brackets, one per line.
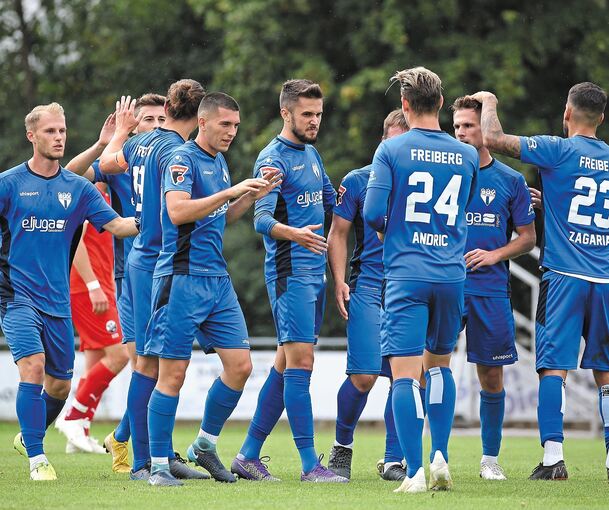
[85, 53]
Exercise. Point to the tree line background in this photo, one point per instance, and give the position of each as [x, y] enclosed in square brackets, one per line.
[85, 53]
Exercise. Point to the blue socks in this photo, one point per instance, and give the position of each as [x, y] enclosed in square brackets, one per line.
[492, 408]
[297, 400]
[550, 410]
[351, 403]
[161, 419]
[408, 412]
[122, 432]
[31, 412]
[440, 404]
[140, 390]
[603, 407]
[268, 411]
[393, 450]
[53, 407]
[221, 402]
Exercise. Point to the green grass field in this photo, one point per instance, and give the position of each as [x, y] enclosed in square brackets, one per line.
[86, 482]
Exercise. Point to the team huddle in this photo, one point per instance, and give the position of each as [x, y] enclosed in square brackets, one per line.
[436, 219]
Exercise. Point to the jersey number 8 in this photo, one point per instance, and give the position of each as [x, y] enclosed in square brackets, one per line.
[447, 202]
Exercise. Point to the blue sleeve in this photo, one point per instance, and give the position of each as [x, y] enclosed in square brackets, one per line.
[375, 208]
[5, 195]
[347, 198]
[178, 176]
[96, 210]
[264, 208]
[542, 151]
[329, 193]
[521, 209]
[381, 175]
[128, 148]
[474, 184]
[98, 176]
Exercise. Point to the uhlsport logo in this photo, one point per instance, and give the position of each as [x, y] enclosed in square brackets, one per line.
[65, 198]
[316, 171]
[487, 195]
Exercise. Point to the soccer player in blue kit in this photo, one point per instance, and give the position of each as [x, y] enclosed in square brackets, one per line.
[419, 187]
[145, 156]
[363, 296]
[574, 291]
[192, 291]
[150, 108]
[289, 218]
[501, 204]
[42, 209]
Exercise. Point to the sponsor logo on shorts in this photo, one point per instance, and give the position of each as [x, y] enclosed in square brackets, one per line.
[65, 198]
[245, 342]
[502, 357]
[111, 326]
[177, 173]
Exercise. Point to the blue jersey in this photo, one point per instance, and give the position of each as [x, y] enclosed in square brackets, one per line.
[302, 199]
[194, 248]
[122, 201]
[429, 177]
[500, 203]
[41, 222]
[367, 259]
[575, 179]
[147, 155]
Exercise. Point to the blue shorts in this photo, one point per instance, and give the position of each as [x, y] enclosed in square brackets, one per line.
[364, 333]
[490, 330]
[189, 307]
[30, 331]
[421, 316]
[141, 286]
[568, 309]
[297, 303]
[124, 303]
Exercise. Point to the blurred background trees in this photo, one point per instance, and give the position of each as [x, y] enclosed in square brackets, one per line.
[85, 53]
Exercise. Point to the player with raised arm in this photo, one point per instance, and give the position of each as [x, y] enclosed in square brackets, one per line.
[192, 292]
[145, 156]
[501, 204]
[359, 303]
[151, 111]
[419, 186]
[289, 218]
[42, 209]
[574, 291]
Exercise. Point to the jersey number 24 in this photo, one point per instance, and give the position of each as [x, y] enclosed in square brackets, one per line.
[446, 204]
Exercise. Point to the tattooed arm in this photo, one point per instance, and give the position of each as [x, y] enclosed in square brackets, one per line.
[494, 138]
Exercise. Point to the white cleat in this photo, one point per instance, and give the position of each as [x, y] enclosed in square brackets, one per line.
[95, 446]
[415, 484]
[439, 476]
[75, 434]
[491, 471]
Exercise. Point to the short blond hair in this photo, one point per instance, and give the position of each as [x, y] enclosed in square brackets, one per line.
[32, 118]
[395, 118]
[421, 87]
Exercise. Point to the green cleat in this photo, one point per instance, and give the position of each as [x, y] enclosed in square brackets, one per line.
[19, 446]
[43, 471]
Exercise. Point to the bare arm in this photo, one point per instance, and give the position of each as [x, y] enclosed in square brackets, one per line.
[81, 164]
[493, 136]
[112, 160]
[82, 265]
[122, 227]
[337, 259]
[522, 244]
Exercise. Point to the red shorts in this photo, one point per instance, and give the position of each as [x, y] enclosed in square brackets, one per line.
[95, 331]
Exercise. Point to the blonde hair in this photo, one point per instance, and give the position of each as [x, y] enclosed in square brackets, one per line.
[32, 118]
[395, 118]
[421, 87]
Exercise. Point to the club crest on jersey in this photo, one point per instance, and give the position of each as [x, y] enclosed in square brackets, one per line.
[316, 171]
[225, 175]
[339, 196]
[487, 195]
[177, 173]
[65, 198]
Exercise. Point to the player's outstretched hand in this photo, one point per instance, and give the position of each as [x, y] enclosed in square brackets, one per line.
[483, 96]
[126, 121]
[478, 258]
[107, 130]
[274, 178]
[253, 186]
[342, 295]
[307, 238]
[535, 197]
[99, 301]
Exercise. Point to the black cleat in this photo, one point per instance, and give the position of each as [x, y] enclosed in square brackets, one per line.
[209, 461]
[556, 471]
[394, 473]
[179, 469]
[340, 461]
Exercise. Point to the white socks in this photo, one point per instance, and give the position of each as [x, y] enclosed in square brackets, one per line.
[552, 453]
[37, 459]
[489, 459]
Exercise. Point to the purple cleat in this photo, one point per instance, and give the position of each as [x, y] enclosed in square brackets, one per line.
[254, 469]
[321, 474]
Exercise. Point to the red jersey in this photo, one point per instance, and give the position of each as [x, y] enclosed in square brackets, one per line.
[101, 255]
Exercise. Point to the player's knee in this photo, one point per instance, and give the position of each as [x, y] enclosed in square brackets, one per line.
[58, 388]
[491, 379]
[148, 366]
[31, 369]
[116, 359]
[363, 382]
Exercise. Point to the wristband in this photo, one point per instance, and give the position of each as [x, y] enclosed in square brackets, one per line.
[94, 285]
